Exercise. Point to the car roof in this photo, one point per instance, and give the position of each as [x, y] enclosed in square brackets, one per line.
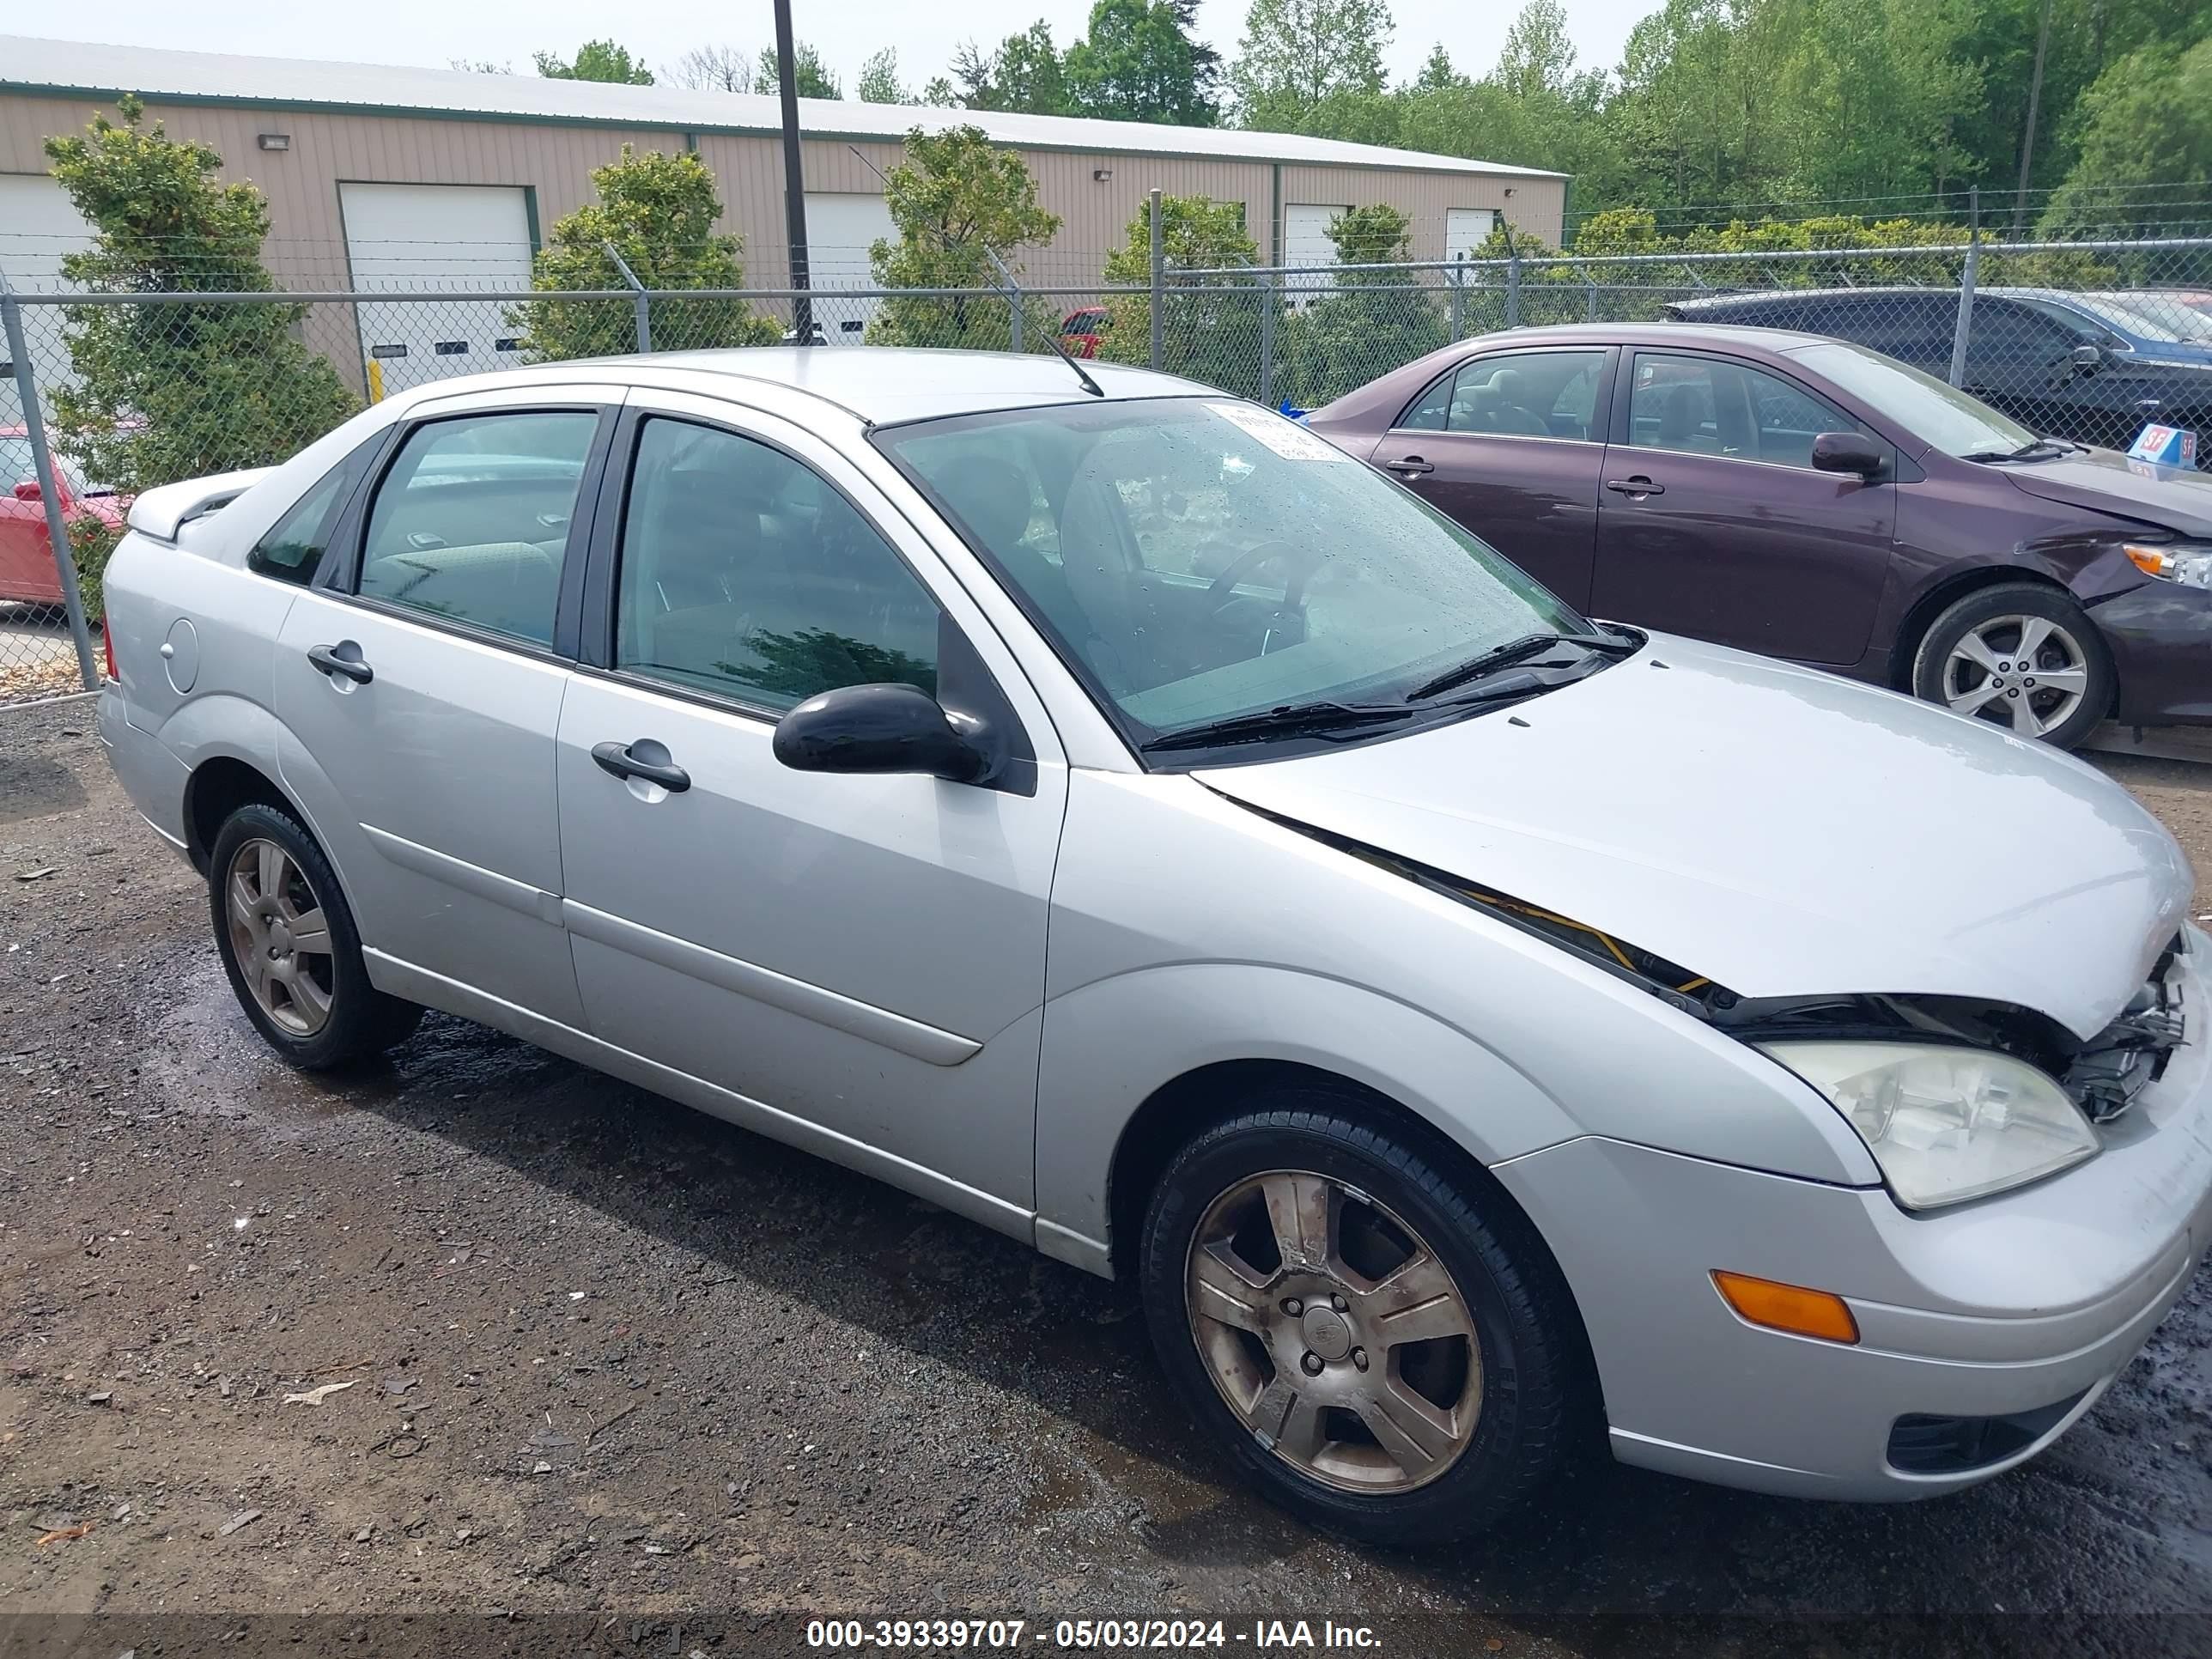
[1685, 332]
[879, 384]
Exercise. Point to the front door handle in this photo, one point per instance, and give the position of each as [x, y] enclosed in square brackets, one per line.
[1411, 465]
[1638, 485]
[326, 658]
[615, 757]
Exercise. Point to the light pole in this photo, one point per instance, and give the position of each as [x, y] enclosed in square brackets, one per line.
[794, 184]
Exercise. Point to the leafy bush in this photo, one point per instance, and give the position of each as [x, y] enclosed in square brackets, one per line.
[956, 199]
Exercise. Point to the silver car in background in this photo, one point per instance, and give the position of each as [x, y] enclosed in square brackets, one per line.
[1107, 810]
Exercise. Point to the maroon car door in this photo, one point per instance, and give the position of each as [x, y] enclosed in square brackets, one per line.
[1511, 444]
[1713, 523]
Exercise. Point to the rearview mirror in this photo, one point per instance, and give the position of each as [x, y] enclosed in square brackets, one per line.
[878, 729]
[1847, 451]
[28, 490]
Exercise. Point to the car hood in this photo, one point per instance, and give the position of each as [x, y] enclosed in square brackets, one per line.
[2104, 480]
[1778, 830]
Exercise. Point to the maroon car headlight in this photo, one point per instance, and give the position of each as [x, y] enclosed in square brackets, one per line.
[2188, 563]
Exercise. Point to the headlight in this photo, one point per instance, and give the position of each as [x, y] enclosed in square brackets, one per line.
[2188, 563]
[1945, 1124]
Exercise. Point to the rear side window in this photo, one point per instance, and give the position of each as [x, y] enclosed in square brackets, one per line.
[293, 546]
[471, 521]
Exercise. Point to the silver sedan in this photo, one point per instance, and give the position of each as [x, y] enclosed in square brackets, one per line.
[1106, 809]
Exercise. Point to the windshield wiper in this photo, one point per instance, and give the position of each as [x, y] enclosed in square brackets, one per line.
[1516, 651]
[2036, 449]
[1290, 720]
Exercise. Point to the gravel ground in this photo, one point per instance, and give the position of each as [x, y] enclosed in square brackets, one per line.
[601, 1364]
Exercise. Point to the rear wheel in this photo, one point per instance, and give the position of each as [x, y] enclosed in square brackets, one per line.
[2021, 656]
[1381, 1345]
[289, 946]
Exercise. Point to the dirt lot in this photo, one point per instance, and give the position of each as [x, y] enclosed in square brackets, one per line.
[614, 1365]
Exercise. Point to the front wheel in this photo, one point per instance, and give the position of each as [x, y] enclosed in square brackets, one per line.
[1382, 1347]
[2021, 656]
[289, 946]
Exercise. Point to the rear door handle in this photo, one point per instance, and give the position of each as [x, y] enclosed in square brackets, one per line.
[326, 658]
[1638, 485]
[1410, 465]
[615, 757]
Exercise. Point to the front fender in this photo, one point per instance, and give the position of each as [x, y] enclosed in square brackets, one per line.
[1111, 1045]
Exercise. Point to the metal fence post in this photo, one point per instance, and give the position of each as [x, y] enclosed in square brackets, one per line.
[1159, 275]
[1269, 306]
[42, 463]
[1966, 286]
[1512, 287]
[1459, 296]
[643, 301]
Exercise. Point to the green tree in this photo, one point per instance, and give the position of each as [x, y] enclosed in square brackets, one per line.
[1026, 74]
[1210, 316]
[163, 392]
[659, 212]
[2148, 120]
[1297, 56]
[1136, 63]
[1369, 320]
[956, 199]
[880, 80]
[813, 78]
[595, 60]
[715, 69]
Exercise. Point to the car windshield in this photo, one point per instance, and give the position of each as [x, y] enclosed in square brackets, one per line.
[17, 466]
[1200, 559]
[2156, 317]
[1932, 411]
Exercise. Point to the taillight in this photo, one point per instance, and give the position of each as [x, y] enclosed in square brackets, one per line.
[108, 645]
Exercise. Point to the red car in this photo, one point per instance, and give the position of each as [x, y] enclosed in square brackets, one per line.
[1080, 329]
[27, 556]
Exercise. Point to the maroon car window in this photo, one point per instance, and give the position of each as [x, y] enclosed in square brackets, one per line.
[1710, 406]
[1523, 394]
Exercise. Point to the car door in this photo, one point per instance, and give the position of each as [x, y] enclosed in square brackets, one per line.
[863, 956]
[1714, 523]
[1511, 445]
[418, 688]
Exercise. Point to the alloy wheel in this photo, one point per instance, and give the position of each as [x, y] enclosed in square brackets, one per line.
[2027, 672]
[279, 936]
[1334, 1332]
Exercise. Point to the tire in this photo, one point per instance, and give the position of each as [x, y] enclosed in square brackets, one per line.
[1521, 1398]
[315, 1007]
[2071, 650]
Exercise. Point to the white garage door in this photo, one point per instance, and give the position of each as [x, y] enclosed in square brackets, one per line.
[840, 227]
[1466, 229]
[1305, 243]
[408, 238]
[39, 224]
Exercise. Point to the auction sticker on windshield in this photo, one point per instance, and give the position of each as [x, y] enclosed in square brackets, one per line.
[1286, 438]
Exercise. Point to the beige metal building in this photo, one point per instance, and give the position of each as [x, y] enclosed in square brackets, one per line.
[380, 176]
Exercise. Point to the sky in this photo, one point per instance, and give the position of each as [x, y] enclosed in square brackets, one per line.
[434, 32]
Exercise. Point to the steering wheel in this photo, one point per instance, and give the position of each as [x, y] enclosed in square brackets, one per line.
[1303, 562]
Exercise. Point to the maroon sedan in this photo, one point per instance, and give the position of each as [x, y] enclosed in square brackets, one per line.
[28, 576]
[1813, 499]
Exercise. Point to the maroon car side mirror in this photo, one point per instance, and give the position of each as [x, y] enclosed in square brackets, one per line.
[1847, 451]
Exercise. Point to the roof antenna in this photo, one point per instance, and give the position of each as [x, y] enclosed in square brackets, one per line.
[1051, 340]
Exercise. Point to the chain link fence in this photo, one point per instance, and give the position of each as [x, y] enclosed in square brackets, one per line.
[103, 395]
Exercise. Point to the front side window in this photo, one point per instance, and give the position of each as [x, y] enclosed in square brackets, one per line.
[1198, 559]
[743, 573]
[1710, 406]
[472, 518]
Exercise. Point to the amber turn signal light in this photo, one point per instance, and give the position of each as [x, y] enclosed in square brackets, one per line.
[2148, 560]
[1787, 1307]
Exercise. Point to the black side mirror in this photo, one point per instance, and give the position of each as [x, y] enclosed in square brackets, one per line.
[2087, 359]
[1847, 451]
[879, 728]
